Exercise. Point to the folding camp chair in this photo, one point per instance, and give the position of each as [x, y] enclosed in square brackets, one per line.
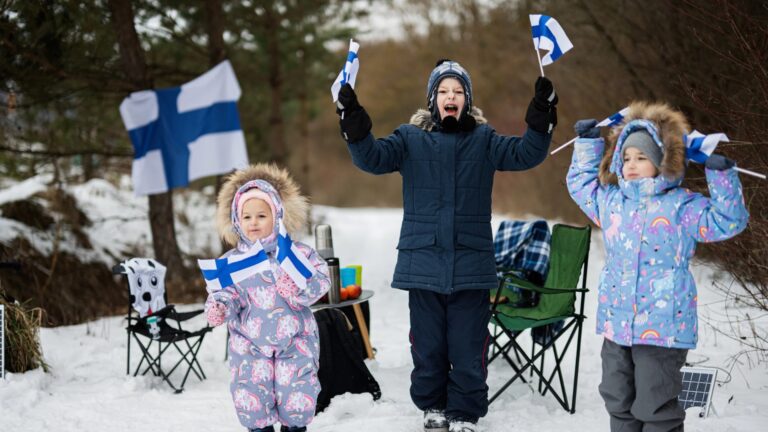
[569, 253]
[151, 325]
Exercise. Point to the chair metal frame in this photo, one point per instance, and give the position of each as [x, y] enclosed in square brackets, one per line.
[186, 343]
[525, 362]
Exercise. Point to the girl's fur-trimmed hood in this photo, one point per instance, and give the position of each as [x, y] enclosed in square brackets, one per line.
[423, 119]
[295, 205]
[671, 126]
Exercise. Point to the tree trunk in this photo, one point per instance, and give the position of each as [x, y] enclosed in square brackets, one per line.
[276, 126]
[160, 205]
[214, 14]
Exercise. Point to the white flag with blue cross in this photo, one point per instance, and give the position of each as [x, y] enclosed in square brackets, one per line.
[184, 133]
[291, 259]
[699, 147]
[223, 272]
[548, 35]
[348, 73]
[614, 119]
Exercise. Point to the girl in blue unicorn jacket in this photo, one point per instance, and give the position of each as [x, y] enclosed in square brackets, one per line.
[647, 296]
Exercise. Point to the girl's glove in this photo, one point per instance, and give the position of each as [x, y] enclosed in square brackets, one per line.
[286, 287]
[216, 314]
[719, 162]
[587, 129]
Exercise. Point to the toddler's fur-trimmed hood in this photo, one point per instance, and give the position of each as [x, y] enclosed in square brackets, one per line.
[670, 124]
[295, 205]
[423, 119]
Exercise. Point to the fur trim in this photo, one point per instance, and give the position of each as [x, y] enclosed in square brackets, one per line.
[671, 124]
[295, 205]
[422, 118]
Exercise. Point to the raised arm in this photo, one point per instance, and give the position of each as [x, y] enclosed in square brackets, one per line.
[510, 153]
[583, 174]
[722, 215]
[369, 154]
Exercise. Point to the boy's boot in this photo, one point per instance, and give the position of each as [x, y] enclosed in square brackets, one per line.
[462, 426]
[285, 428]
[435, 421]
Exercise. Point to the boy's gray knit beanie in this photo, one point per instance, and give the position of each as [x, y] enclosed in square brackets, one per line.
[443, 69]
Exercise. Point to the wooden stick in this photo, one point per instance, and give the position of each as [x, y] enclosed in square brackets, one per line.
[363, 330]
[748, 172]
[562, 146]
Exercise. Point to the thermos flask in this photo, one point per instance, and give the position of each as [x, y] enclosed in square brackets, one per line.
[334, 293]
[324, 241]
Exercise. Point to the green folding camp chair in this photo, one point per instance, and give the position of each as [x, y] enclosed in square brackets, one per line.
[568, 260]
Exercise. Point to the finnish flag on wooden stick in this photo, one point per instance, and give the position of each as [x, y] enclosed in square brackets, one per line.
[349, 73]
[548, 35]
[223, 272]
[184, 133]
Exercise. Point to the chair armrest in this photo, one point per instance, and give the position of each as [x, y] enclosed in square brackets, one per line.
[183, 316]
[524, 284]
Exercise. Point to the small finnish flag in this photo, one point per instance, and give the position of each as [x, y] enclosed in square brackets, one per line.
[292, 260]
[184, 133]
[550, 36]
[699, 147]
[614, 119]
[349, 73]
[223, 272]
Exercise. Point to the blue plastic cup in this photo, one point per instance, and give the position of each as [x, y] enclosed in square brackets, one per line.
[348, 276]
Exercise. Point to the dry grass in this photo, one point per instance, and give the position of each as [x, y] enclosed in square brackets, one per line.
[23, 351]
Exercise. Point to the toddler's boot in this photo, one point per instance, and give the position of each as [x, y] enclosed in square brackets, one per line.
[285, 428]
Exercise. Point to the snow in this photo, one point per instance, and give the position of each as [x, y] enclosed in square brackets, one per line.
[88, 389]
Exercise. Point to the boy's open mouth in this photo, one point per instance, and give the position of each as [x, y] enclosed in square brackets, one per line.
[451, 109]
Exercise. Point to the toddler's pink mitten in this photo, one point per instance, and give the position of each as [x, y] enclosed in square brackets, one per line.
[216, 314]
[286, 287]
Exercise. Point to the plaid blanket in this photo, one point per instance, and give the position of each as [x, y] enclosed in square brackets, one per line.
[523, 246]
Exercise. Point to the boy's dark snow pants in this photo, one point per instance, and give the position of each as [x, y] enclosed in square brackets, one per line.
[449, 345]
[640, 387]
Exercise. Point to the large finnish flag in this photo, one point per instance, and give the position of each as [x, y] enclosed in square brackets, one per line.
[550, 36]
[184, 133]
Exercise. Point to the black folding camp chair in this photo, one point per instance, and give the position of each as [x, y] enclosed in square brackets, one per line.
[156, 326]
[557, 302]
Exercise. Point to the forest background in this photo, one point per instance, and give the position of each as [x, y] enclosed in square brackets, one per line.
[66, 65]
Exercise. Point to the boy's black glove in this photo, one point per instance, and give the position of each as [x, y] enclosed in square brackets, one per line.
[542, 113]
[355, 123]
[719, 162]
[586, 128]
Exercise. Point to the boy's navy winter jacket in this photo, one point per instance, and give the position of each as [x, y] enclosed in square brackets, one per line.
[446, 241]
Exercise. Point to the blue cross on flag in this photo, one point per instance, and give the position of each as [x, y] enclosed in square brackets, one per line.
[223, 272]
[184, 133]
[614, 119]
[699, 147]
[349, 73]
[550, 36]
[291, 260]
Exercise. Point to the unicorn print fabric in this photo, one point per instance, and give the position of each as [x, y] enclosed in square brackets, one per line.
[274, 343]
[647, 294]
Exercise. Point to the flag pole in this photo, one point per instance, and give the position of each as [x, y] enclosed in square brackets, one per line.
[748, 172]
[538, 56]
[562, 146]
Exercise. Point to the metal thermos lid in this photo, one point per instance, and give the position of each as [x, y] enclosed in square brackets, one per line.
[324, 241]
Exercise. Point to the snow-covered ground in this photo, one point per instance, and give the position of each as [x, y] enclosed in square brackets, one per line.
[88, 390]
